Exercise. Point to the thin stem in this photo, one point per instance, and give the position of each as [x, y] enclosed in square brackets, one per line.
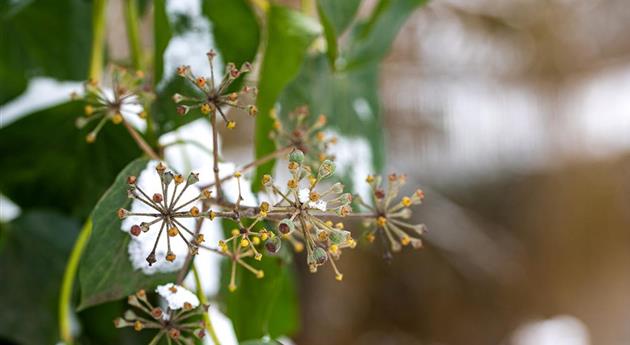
[140, 141]
[133, 35]
[204, 300]
[215, 155]
[68, 280]
[98, 39]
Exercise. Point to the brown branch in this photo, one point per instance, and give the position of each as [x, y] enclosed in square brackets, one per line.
[140, 141]
[215, 155]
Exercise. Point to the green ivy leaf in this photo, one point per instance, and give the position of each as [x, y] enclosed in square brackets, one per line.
[371, 40]
[105, 273]
[235, 29]
[162, 34]
[47, 163]
[335, 17]
[33, 256]
[36, 42]
[261, 307]
[289, 34]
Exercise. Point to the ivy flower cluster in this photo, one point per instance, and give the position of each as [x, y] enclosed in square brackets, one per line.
[304, 134]
[180, 321]
[129, 96]
[306, 207]
[390, 215]
[212, 97]
[168, 211]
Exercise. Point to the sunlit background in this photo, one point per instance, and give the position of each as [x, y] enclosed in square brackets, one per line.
[514, 117]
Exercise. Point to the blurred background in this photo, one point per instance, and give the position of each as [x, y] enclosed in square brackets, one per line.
[514, 118]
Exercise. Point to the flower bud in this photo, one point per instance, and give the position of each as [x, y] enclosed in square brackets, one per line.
[252, 110]
[286, 226]
[135, 230]
[326, 169]
[296, 156]
[193, 178]
[318, 257]
[182, 110]
[273, 245]
[122, 213]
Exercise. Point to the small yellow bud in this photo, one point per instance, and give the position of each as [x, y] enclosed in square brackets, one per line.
[260, 274]
[117, 119]
[292, 184]
[232, 287]
[205, 108]
[231, 125]
[138, 325]
[90, 138]
[263, 235]
[244, 242]
[339, 225]
[143, 114]
[405, 240]
[179, 179]
[298, 247]
[293, 166]
[339, 277]
[89, 110]
[173, 232]
[313, 196]
[406, 201]
[258, 257]
[370, 237]
[277, 124]
[256, 240]
[170, 257]
[194, 211]
[334, 249]
[211, 215]
[238, 174]
[369, 179]
[235, 232]
[381, 221]
[223, 246]
[329, 223]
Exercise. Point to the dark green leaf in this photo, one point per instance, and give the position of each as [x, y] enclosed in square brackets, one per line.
[335, 17]
[47, 163]
[32, 262]
[371, 40]
[36, 42]
[261, 307]
[235, 29]
[105, 273]
[162, 34]
[289, 34]
[349, 98]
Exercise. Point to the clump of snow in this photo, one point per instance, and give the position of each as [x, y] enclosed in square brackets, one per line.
[176, 296]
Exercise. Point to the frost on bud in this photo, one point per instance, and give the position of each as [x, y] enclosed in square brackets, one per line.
[326, 169]
[296, 156]
[286, 226]
[135, 230]
[273, 245]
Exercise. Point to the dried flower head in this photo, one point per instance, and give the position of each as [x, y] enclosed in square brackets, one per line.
[305, 134]
[391, 214]
[304, 205]
[179, 322]
[129, 96]
[214, 97]
[168, 210]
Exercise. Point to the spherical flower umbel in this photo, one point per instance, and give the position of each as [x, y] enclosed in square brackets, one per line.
[305, 206]
[391, 214]
[305, 134]
[215, 96]
[167, 211]
[130, 92]
[178, 322]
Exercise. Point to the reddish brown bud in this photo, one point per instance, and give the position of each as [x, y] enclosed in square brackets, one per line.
[135, 230]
